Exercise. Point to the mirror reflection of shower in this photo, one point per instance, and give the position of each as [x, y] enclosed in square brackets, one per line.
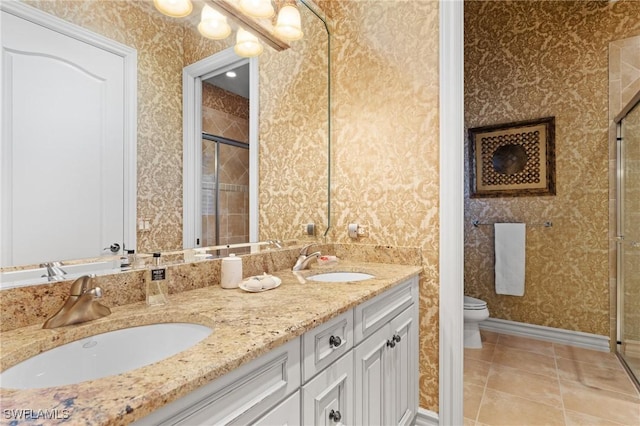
[225, 158]
[628, 241]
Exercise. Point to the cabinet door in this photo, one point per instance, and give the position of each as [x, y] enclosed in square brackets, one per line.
[284, 414]
[403, 368]
[370, 379]
[328, 398]
[326, 343]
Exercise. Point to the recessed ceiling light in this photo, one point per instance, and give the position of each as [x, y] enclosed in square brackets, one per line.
[231, 74]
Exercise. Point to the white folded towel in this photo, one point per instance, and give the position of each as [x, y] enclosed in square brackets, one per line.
[510, 258]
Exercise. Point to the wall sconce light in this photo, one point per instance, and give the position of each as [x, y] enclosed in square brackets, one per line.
[251, 14]
[257, 8]
[247, 45]
[288, 24]
[174, 8]
[213, 24]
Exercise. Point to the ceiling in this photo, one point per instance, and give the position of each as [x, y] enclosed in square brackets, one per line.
[238, 85]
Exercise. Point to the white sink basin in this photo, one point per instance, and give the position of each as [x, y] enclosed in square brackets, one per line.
[103, 355]
[340, 277]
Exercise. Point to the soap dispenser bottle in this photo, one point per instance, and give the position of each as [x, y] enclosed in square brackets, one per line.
[156, 283]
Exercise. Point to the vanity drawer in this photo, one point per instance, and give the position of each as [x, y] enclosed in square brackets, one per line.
[326, 343]
[239, 397]
[377, 312]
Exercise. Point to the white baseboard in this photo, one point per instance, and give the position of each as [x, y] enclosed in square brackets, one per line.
[426, 418]
[556, 335]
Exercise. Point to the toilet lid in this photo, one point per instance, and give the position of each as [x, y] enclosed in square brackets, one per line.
[473, 303]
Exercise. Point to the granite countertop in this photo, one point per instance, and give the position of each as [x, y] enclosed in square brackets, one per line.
[245, 326]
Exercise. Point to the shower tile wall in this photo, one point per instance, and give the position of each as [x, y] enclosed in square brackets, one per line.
[526, 60]
[225, 114]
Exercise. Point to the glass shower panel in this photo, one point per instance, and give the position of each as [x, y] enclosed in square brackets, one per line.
[225, 191]
[629, 245]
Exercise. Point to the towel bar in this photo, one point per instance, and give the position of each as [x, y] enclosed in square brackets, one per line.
[547, 224]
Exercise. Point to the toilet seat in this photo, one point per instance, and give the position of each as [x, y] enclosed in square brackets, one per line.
[473, 304]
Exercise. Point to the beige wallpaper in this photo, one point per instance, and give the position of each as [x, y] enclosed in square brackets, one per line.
[525, 60]
[293, 135]
[385, 148]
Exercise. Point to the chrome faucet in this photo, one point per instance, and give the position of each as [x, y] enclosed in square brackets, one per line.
[80, 306]
[54, 271]
[276, 243]
[304, 259]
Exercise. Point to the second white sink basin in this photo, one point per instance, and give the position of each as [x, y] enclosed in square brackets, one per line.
[340, 277]
[103, 355]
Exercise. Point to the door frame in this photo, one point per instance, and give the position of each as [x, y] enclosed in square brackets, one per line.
[192, 76]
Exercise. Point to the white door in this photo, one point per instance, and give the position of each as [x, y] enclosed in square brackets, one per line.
[60, 96]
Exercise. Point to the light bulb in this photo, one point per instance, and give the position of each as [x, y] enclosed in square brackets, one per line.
[257, 8]
[174, 8]
[213, 24]
[288, 24]
[247, 45]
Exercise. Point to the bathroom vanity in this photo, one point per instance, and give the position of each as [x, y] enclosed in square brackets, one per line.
[304, 353]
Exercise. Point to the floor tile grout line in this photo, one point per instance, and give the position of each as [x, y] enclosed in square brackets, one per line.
[564, 410]
[526, 399]
[486, 382]
[603, 389]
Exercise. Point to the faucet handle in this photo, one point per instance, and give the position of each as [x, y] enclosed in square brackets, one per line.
[304, 251]
[83, 284]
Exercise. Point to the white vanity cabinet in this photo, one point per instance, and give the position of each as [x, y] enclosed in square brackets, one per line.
[386, 370]
[359, 368]
[240, 397]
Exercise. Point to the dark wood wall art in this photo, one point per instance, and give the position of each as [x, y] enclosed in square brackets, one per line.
[514, 159]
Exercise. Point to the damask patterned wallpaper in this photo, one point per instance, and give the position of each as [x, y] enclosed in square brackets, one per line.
[386, 144]
[526, 60]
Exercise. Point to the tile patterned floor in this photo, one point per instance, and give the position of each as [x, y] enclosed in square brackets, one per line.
[516, 381]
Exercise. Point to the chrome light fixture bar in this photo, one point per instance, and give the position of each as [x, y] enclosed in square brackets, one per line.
[262, 28]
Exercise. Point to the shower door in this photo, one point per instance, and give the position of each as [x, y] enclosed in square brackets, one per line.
[225, 191]
[629, 239]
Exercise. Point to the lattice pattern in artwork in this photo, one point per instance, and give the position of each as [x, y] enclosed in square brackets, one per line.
[530, 169]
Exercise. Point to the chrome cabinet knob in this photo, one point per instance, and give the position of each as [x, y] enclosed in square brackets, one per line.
[335, 416]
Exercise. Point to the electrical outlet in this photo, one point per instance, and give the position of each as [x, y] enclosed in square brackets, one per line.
[362, 231]
[144, 224]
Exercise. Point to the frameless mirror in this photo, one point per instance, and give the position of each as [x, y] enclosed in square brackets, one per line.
[293, 132]
[280, 184]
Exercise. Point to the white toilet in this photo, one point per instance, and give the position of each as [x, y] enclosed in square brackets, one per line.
[475, 310]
